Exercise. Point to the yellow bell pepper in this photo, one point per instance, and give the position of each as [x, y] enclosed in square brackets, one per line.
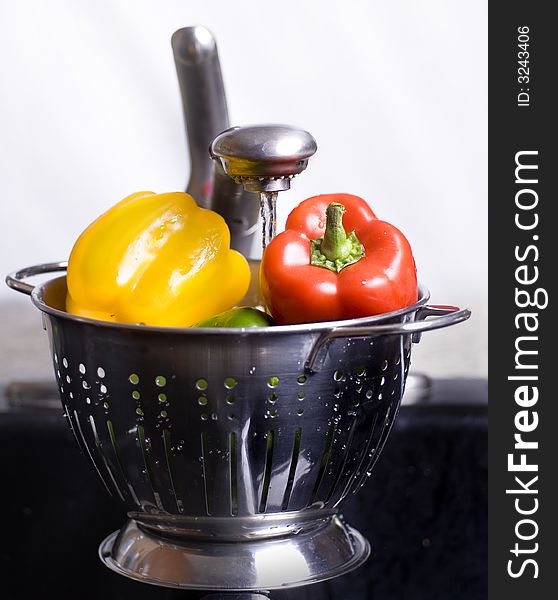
[156, 259]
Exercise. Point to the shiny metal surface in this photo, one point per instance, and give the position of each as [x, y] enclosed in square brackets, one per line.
[205, 115]
[43, 394]
[203, 100]
[327, 550]
[17, 280]
[243, 528]
[264, 158]
[232, 596]
[446, 316]
[213, 436]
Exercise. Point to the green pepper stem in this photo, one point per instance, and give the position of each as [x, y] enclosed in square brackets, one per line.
[335, 245]
[335, 250]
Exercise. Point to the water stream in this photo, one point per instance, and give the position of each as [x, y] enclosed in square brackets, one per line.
[268, 211]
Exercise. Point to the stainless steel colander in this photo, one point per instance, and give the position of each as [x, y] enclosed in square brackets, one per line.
[232, 449]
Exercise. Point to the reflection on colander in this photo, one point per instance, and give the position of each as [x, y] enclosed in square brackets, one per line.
[215, 436]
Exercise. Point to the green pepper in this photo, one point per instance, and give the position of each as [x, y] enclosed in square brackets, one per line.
[243, 316]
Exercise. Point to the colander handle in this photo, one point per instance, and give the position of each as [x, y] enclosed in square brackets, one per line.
[17, 279]
[444, 317]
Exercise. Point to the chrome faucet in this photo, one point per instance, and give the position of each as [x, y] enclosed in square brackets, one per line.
[260, 158]
[205, 116]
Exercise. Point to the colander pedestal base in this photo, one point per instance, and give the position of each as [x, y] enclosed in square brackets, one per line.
[307, 557]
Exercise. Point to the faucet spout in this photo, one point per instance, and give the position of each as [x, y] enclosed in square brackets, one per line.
[263, 159]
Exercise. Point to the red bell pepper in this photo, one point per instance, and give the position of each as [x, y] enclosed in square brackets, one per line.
[314, 271]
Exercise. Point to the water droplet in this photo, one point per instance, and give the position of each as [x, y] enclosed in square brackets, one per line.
[301, 379]
[272, 398]
[201, 384]
[162, 397]
[160, 381]
[81, 368]
[88, 400]
[135, 395]
[106, 405]
[384, 365]
[230, 382]
[65, 362]
[300, 395]
[100, 372]
[103, 389]
[273, 381]
[134, 379]
[202, 400]
[68, 378]
[164, 414]
[369, 394]
[338, 375]
[85, 385]
[204, 417]
[252, 370]
[139, 411]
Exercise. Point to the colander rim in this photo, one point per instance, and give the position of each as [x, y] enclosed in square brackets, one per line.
[37, 297]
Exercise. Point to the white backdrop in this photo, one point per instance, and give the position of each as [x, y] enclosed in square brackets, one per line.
[395, 94]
